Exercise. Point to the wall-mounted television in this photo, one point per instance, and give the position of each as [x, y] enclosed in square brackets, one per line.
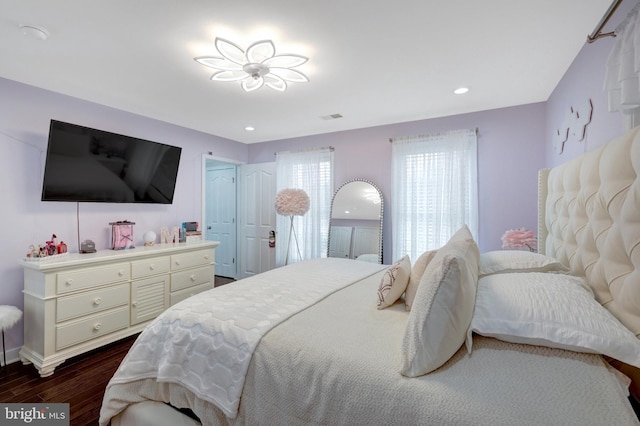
[85, 164]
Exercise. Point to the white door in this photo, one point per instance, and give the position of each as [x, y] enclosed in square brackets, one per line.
[220, 216]
[256, 218]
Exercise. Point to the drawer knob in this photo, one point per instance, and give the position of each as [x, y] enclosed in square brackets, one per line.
[97, 327]
[192, 277]
[134, 304]
[97, 301]
[206, 256]
[151, 267]
[177, 262]
[121, 272]
[69, 281]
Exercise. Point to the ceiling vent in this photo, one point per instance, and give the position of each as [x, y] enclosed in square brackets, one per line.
[331, 116]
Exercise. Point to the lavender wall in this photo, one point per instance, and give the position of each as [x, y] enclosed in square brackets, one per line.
[510, 152]
[25, 113]
[585, 80]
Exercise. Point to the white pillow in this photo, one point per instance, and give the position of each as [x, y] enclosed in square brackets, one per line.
[394, 282]
[554, 310]
[505, 261]
[443, 307]
[416, 275]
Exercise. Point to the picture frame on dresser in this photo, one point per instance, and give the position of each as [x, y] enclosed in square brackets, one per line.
[81, 302]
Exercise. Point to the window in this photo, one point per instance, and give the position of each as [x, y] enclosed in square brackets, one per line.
[434, 181]
[312, 171]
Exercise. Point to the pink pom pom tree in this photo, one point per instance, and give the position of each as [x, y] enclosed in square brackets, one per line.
[519, 239]
[292, 202]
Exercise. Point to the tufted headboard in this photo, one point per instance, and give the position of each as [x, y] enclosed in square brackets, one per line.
[589, 219]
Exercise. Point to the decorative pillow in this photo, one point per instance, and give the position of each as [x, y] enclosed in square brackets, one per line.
[553, 310]
[443, 306]
[505, 261]
[394, 282]
[416, 275]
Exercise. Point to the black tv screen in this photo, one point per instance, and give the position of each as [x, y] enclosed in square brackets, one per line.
[85, 164]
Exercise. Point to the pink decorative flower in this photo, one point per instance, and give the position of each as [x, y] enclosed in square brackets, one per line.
[292, 202]
[519, 239]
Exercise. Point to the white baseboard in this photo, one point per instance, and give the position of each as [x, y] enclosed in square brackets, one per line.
[13, 355]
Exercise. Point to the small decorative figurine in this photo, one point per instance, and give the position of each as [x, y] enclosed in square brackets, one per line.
[87, 246]
[51, 246]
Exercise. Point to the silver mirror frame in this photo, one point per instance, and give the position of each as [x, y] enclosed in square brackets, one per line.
[381, 214]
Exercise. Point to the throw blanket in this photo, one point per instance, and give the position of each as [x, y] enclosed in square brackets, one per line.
[205, 343]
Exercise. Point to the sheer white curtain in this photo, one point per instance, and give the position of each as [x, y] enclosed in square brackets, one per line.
[312, 171]
[435, 191]
[622, 79]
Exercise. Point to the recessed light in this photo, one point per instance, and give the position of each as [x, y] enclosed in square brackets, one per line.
[32, 31]
[461, 90]
[249, 128]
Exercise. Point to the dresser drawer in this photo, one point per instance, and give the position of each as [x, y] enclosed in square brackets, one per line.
[147, 267]
[91, 302]
[92, 277]
[192, 277]
[188, 292]
[91, 327]
[191, 259]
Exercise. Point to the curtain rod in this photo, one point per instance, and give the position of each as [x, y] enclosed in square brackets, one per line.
[474, 129]
[597, 33]
[330, 148]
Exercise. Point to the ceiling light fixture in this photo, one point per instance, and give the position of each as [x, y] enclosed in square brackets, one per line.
[256, 67]
[249, 128]
[461, 90]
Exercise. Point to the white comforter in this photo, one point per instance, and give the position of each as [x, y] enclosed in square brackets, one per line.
[205, 343]
[337, 363]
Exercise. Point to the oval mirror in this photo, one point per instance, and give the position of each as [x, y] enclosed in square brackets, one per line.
[355, 229]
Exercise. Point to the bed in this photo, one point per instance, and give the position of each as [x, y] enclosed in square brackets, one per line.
[330, 341]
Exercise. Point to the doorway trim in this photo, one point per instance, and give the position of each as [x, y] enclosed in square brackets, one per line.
[203, 195]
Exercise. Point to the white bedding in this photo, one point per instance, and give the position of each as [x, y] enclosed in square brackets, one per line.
[350, 375]
[338, 362]
[205, 343]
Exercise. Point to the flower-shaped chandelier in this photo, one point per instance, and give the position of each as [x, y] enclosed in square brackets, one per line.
[256, 67]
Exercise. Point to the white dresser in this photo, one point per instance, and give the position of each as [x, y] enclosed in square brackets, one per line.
[79, 302]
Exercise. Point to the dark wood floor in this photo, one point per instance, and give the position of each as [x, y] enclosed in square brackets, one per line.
[79, 381]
